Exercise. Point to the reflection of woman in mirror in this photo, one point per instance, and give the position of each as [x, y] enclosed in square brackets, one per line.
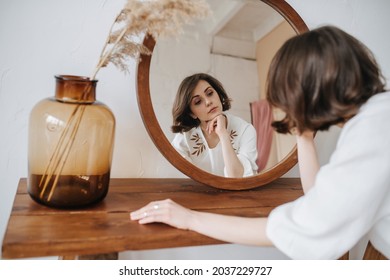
[320, 78]
[206, 135]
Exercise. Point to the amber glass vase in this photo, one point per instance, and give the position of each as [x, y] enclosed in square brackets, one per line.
[70, 146]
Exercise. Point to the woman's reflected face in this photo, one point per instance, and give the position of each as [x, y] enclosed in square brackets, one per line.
[205, 102]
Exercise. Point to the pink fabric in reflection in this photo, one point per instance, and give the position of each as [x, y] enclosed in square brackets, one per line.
[262, 118]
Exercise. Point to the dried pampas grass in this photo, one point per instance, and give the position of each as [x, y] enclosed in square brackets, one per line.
[154, 17]
[138, 17]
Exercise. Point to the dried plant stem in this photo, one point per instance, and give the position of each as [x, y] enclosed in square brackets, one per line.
[154, 18]
[61, 151]
[108, 37]
[68, 148]
[52, 165]
[105, 57]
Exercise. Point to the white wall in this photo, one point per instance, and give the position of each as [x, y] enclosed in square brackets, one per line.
[41, 38]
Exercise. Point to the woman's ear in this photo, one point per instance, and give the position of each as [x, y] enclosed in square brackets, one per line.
[193, 116]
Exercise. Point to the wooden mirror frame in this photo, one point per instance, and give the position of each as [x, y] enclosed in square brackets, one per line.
[164, 146]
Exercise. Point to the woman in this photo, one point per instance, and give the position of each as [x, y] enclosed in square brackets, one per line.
[320, 78]
[206, 135]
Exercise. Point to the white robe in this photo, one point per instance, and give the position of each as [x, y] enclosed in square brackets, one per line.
[192, 145]
[350, 198]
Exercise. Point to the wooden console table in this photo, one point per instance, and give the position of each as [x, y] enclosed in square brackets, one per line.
[35, 231]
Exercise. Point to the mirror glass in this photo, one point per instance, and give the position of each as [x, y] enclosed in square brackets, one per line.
[235, 45]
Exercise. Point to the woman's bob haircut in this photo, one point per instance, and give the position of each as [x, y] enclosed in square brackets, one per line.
[321, 78]
[181, 112]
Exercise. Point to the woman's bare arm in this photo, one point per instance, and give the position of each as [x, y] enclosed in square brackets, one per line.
[247, 231]
[307, 160]
[233, 165]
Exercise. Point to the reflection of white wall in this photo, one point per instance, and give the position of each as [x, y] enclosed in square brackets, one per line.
[266, 48]
[47, 37]
[173, 60]
[239, 77]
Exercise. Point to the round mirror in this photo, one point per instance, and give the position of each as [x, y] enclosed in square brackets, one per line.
[235, 45]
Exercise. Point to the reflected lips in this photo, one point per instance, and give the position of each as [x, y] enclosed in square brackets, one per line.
[212, 110]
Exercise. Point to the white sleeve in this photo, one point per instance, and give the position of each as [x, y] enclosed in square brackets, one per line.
[341, 207]
[247, 151]
[180, 144]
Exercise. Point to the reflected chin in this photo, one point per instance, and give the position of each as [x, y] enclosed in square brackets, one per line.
[213, 114]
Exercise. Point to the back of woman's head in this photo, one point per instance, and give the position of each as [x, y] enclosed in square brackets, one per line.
[321, 78]
[181, 112]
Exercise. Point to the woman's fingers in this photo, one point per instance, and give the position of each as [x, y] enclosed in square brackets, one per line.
[150, 210]
[221, 124]
[217, 122]
[156, 211]
[211, 125]
[164, 211]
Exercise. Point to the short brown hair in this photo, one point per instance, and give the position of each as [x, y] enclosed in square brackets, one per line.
[181, 112]
[321, 78]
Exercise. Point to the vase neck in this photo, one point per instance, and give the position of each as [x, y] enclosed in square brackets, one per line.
[75, 89]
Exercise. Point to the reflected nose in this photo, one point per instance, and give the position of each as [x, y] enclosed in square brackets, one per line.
[208, 102]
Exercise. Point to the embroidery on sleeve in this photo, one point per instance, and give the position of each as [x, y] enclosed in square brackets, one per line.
[199, 145]
[233, 134]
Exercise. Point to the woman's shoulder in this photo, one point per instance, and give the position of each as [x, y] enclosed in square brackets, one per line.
[187, 134]
[375, 112]
[238, 122]
[235, 119]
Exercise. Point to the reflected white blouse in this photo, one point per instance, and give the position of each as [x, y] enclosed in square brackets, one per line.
[351, 195]
[192, 145]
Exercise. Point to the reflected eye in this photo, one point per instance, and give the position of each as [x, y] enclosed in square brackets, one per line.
[197, 101]
[210, 93]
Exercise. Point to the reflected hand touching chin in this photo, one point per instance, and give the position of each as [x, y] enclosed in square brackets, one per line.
[217, 125]
[207, 136]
